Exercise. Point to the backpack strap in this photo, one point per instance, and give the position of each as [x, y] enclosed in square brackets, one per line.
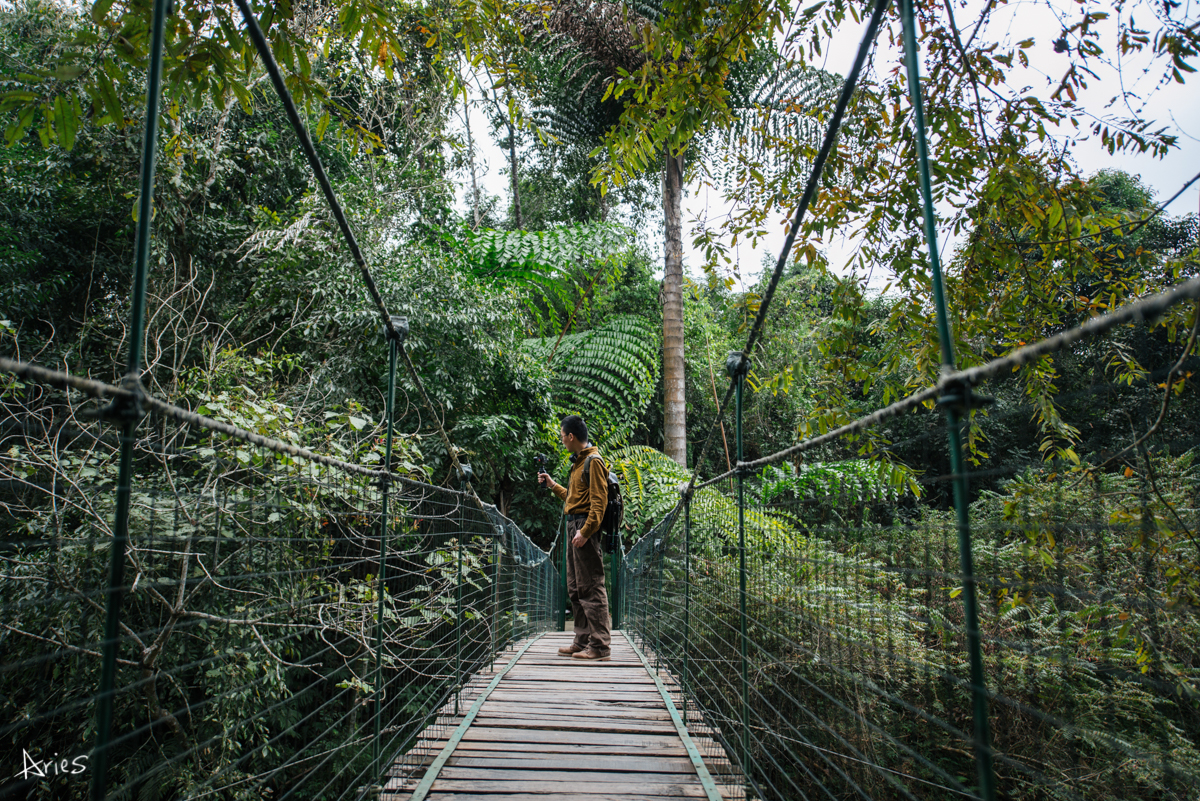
[588, 463]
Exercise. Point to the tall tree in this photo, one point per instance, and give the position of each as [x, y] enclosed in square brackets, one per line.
[667, 72]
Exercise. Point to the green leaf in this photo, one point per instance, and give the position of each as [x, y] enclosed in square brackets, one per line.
[100, 10]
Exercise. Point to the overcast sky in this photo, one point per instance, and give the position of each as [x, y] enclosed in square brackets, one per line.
[1174, 106]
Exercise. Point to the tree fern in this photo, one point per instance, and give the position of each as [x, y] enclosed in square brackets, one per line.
[650, 483]
[607, 375]
[550, 268]
[773, 101]
[850, 483]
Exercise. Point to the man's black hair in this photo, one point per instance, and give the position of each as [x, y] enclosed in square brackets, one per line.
[573, 424]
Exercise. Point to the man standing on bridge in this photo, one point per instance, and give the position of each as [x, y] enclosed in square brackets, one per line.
[584, 500]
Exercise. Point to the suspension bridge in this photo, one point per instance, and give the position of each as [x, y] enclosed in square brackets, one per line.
[234, 616]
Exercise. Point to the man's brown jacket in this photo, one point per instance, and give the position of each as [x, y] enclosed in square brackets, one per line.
[585, 499]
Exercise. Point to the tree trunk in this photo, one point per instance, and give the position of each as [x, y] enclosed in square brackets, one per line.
[674, 399]
[512, 163]
[471, 155]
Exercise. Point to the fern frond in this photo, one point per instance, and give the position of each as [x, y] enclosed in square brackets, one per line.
[775, 102]
[549, 267]
[607, 375]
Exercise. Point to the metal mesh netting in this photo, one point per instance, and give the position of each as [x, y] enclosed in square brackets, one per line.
[834, 662]
[251, 659]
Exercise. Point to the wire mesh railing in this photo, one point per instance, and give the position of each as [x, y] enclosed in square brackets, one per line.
[1034, 641]
[816, 629]
[198, 610]
[286, 629]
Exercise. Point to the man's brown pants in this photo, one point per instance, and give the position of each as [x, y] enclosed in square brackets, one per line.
[585, 588]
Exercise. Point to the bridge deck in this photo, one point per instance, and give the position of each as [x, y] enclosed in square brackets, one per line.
[557, 728]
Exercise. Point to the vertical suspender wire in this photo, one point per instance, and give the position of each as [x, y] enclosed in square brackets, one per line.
[390, 401]
[979, 701]
[129, 412]
[743, 633]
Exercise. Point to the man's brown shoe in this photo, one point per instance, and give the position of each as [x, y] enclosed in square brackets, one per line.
[570, 650]
[592, 655]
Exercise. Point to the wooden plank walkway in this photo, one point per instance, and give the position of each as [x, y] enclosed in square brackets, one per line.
[561, 729]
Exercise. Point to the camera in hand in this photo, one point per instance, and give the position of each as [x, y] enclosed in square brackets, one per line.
[542, 461]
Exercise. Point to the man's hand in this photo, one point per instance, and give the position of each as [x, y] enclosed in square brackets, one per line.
[579, 540]
[545, 480]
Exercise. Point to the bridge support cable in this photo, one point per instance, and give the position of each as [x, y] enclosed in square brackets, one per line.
[879, 8]
[392, 325]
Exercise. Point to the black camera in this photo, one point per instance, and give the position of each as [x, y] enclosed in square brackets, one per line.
[542, 461]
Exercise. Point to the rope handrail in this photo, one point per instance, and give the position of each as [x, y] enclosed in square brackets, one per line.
[1139, 310]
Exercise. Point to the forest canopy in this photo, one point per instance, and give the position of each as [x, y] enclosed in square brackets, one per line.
[549, 299]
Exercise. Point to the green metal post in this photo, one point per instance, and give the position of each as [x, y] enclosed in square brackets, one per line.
[739, 370]
[495, 594]
[562, 560]
[614, 560]
[129, 414]
[983, 745]
[458, 618]
[389, 407]
[687, 601]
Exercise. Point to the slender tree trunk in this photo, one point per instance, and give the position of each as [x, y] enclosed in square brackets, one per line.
[512, 162]
[471, 156]
[674, 400]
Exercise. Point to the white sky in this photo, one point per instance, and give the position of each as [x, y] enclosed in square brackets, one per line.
[1173, 106]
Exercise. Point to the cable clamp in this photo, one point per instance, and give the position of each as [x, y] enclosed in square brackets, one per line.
[125, 408]
[960, 397]
[398, 329]
[736, 364]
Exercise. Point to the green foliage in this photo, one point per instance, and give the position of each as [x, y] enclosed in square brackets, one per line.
[608, 375]
[849, 483]
[677, 87]
[207, 62]
[551, 268]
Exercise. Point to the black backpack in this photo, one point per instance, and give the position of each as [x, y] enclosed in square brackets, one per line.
[614, 512]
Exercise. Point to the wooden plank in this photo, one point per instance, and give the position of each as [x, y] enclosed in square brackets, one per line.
[635, 720]
[552, 751]
[580, 777]
[570, 789]
[573, 684]
[633, 747]
[564, 796]
[569, 675]
[579, 725]
[565, 694]
[572, 762]
[578, 710]
[493, 734]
